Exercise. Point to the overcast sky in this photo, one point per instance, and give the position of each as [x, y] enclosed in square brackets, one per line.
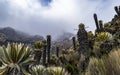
[54, 16]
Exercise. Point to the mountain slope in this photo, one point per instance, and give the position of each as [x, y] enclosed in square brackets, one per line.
[11, 35]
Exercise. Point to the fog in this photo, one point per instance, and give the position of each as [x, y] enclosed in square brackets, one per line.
[54, 17]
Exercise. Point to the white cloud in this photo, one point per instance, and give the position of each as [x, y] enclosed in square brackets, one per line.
[61, 15]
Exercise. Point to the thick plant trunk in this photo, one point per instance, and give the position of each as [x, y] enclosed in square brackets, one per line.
[38, 55]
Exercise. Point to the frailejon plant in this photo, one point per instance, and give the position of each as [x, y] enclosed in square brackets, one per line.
[70, 61]
[44, 56]
[48, 48]
[57, 51]
[103, 36]
[54, 60]
[117, 9]
[96, 22]
[38, 70]
[57, 71]
[41, 70]
[82, 38]
[83, 48]
[74, 42]
[101, 25]
[15, 59]
[91, 40]
[38, 49]
[107, 25]
[90, 35]
[103, 43]
[39, 44]
[107, 28]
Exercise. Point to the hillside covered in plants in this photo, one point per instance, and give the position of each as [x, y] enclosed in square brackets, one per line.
[91, 53]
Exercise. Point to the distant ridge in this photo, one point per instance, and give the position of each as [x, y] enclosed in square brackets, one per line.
[9, 34]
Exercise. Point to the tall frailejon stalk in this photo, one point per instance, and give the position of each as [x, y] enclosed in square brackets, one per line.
[117, 9]
[74, 42]
[57, 51]
[48, 48]
[83, 48]
[82, 37]
[96, 22]
[44, 56]
[101, 25]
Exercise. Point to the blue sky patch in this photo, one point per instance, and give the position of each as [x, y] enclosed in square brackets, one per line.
[45, 2]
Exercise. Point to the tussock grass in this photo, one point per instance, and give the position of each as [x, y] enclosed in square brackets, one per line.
[107, 65]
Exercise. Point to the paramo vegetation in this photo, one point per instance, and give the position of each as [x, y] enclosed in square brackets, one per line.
[91, 54]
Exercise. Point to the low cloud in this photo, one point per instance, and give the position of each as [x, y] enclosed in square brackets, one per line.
[57, 16]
